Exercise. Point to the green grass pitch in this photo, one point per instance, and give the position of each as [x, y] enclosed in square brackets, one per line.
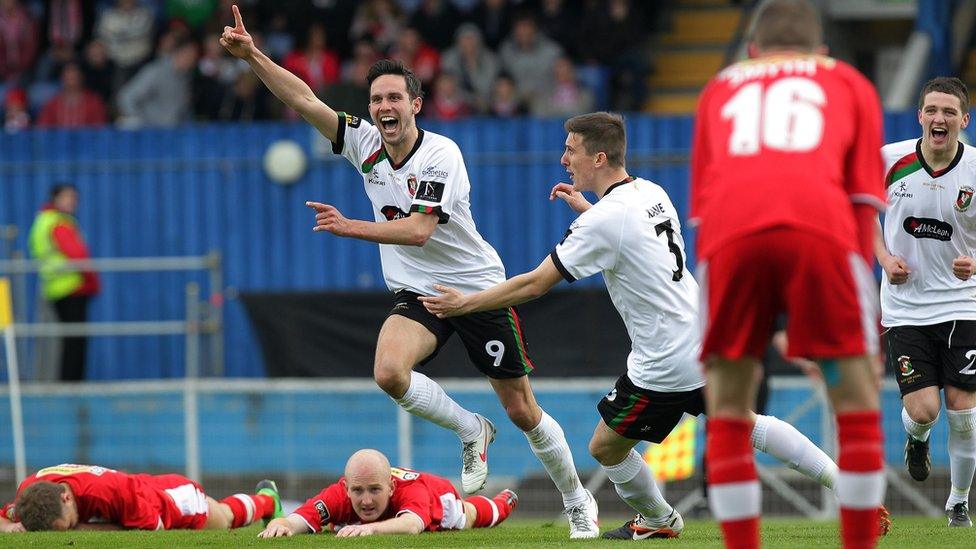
[907, 532]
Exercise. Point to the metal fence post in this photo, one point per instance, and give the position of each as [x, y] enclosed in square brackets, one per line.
[191, 420]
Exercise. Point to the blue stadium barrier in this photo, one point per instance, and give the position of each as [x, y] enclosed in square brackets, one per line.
[195, 189]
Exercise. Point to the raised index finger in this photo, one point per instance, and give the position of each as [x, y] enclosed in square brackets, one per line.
[238, 21]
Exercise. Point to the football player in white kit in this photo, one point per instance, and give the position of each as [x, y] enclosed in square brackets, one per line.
[419, 189]
[928, 293]
[632, 235]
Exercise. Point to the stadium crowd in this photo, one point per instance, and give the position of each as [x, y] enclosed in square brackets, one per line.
[139, 63]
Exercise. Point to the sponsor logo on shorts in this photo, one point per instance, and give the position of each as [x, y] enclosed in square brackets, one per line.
[965, 198]
[926, 227]
[323, 512]
[611, 395]
[645, 428]
[430, 191]
[905, 365]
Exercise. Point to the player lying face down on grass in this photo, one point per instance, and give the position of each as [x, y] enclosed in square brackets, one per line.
[373, 498]
[69, 497]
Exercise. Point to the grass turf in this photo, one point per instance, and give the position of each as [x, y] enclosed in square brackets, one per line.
[907, 532]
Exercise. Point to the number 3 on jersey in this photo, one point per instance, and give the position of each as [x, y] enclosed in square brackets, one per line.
[786, 116]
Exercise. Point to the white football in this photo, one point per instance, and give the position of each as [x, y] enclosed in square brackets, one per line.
[285, 161]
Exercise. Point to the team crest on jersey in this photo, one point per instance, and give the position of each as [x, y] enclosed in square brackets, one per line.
[412, 184]
[965, 198]
[905, 365]
[323, 512]
[404, 474]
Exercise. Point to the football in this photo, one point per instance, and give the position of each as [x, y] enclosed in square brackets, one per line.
[285, 161]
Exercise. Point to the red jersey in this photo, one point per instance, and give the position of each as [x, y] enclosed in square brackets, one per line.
[422, 494]
[137, 501]
[786, 140]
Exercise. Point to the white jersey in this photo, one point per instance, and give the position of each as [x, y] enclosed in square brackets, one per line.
[431, 179]
[632, 235]
[930, 220]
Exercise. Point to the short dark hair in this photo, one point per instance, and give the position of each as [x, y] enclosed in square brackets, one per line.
[39, 505]
[59, 188]
[392, 66]
[787, 24]
[601, 131]
[946, 84]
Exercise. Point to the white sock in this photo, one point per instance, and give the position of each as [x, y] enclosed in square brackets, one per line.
[962, 454]
[635, 485]
[549, 444]
[785, 443]
[919, 431]
[425, 398]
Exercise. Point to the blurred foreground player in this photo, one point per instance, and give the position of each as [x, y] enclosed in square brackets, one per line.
[89, 497]
[419, 188]
[786, 184]
[373, 498]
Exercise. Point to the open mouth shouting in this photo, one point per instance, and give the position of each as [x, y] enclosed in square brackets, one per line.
[940, 136]
[390, 125]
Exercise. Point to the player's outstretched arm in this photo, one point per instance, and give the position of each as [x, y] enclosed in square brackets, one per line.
[895, 268]
[515, 290]
[407, 523]
[570, 196]
[283, 527]
[413, 230]
[287, 87]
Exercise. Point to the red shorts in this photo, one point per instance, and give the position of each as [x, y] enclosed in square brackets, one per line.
[184, 505]
[827, 293]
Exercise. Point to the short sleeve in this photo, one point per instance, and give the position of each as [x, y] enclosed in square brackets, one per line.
[137, 510]
[8, 512]
[701, 157]
[414, 498]
[864, 165]
[330, 506]
[589, 246]
[352, 141]
[441, 183]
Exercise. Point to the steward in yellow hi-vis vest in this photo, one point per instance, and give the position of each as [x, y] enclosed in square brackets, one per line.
[54, 240]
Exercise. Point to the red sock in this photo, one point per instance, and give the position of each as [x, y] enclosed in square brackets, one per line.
[248, 508]
[488, 512]
[861, 483]
[733, 486]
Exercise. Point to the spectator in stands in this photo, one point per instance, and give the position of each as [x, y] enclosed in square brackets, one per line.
[98, 70]
[448, 102]
[315, 63]
[373, 498]
[278, 41]
[192, 12]
[494, 18]
[416, 54]
[353, 90]
[18, 42]
[159, 95]
[564, 96]
[247, 100]
[377, 20]
[54, 238]
[436, 21]
[74, 105]
[15, 114]
[611, 35]
[475, 66]
[88, 497]
[505, 101]
[528, 56]
[68, 22]
[560, 21]
[127, 32]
